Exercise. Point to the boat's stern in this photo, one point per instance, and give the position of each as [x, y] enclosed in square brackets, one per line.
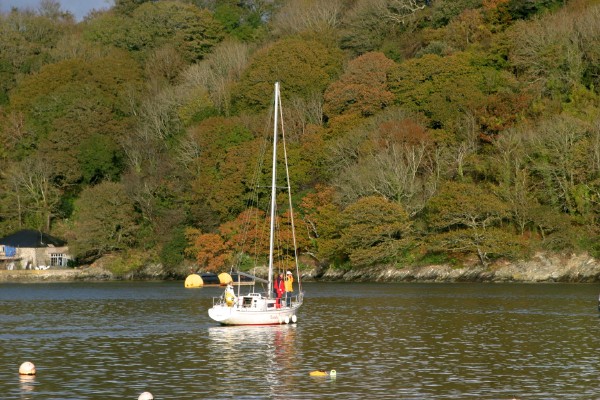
[219, 313]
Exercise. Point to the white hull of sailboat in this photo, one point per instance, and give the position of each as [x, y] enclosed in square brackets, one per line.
[260, 311]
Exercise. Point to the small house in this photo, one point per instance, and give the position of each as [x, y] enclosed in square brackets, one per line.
[31, 249]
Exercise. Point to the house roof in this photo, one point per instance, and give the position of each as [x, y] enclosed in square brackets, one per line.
[31, 238]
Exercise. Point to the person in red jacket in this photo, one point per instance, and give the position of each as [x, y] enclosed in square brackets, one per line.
[279, 288]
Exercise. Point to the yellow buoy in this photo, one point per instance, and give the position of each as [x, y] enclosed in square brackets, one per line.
[322, 372]
[224, 278]
[27, 368]
[194, 281]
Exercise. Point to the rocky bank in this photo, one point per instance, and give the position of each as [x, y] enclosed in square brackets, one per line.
[540, 268]
[55, 275]
[543, 267]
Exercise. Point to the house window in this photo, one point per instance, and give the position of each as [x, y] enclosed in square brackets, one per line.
[58, 260]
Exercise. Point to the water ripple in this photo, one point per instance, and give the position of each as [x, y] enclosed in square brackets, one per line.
[406, 341]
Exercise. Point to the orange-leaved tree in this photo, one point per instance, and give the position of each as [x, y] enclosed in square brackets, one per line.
[209, 249]
[248, 234]
[363, 88]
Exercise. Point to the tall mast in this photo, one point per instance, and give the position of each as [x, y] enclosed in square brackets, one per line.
[273, 191]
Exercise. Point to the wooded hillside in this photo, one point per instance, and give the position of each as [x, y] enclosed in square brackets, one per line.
[421, 130]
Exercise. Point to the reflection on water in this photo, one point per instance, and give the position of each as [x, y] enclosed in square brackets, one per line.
[407, 341]
[249, 352]
[27, 386]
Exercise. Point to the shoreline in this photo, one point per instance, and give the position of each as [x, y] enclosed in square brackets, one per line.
[541, 268]
[54, 275]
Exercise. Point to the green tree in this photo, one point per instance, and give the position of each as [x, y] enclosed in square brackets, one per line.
[465, 218]
[444, 11]
[320, 216]
[303, 67]
[172, 254]
[31, 198]
[68, 102]
[225, 163]
[100, 158]
[104, 221]
[545, 51]
[587, 28]
[367, 24]
[69, 139]
[444, 88]
[244, 21]
[214, 77]
[126, 7]
[467, 29]
[374, 231]
[523, 10]
[516, 185]
[558, 152]
[193, 31]
[27, 42]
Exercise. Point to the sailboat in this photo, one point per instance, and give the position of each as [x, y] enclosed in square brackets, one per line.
[261, 307]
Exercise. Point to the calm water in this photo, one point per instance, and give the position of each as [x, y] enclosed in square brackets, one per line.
[401, 341]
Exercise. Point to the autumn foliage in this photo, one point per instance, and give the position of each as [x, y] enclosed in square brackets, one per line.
[363, 88]
[447, 130]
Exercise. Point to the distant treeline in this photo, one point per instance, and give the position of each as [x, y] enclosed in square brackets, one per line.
[419, 131]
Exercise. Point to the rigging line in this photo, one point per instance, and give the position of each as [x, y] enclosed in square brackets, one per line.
[260, 223]
[251, 203]
[289, 190]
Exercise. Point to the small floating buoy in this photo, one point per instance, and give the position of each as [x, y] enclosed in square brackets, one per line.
[194, 281]
[294, 318]
[286, 319]
[27, 368]
[322, 372]
[146, 396]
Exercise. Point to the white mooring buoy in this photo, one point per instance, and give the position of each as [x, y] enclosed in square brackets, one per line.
[146, 396]
[27, 368]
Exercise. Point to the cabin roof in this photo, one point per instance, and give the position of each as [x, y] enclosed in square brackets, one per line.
[32, 239]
